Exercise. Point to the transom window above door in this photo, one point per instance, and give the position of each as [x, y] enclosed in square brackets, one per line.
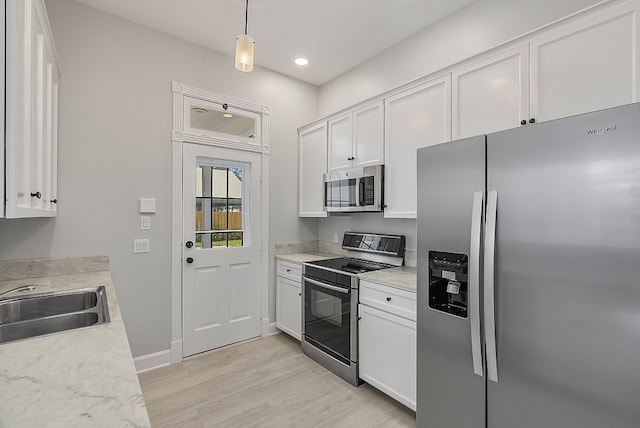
[220, 120]
[221, 203]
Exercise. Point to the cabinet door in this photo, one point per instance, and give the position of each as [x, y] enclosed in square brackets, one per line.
[32, 75]
[289, 306]
[586, 65]
[2, 51]
[368, 143]
[388, 354]
[312, 145]
[492, 94]
[340, 142]
[415, 118]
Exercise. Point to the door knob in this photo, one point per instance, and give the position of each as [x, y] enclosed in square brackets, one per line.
[189, 244]
[189, 260]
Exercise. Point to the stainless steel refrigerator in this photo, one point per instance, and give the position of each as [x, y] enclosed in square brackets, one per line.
[529, 276]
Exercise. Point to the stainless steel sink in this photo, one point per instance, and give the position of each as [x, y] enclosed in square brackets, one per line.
[47, 313]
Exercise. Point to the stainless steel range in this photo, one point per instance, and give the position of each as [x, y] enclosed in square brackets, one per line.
[330, 299]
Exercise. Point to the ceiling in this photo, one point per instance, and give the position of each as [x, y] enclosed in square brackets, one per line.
[335, 35]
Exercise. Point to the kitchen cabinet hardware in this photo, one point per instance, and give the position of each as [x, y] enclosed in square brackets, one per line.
[189, 260]
[36, 195]
[532, 120]
[189, 244]
[523, 122]
[54, 201]
[388, 299]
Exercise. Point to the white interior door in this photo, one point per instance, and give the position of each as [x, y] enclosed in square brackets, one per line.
[222, 247]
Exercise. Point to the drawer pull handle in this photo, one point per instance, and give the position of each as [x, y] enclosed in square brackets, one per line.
[288, 270]
[388, 299]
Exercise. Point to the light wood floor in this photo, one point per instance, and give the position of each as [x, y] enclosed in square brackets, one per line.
[266, 382]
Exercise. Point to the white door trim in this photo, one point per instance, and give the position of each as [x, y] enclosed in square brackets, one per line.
[178, 137]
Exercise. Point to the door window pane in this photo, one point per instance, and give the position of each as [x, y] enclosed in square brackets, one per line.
[219, 206]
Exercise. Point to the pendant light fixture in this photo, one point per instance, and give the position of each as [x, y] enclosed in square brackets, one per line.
[245, 46]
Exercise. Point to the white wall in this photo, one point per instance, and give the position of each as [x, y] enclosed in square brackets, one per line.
[480, 26]
[115, 147]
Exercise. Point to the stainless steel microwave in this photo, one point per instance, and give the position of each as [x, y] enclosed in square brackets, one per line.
[354, 190]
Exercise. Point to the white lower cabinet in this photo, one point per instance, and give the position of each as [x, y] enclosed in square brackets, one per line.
[289, 298]
[387, 342]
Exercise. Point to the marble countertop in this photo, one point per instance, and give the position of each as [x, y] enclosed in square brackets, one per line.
[79, 378]
[305, 257]
[403, 277]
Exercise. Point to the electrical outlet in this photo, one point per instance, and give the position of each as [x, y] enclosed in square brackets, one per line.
[335, 237]
[140, 245]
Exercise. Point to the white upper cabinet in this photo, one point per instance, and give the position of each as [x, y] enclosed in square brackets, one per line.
[356, 138]
[417, 117]
[491, 94]
[312, 163]
[587, 65]
[2, 50]
[32, 74]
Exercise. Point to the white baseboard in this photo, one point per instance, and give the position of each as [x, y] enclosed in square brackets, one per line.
[273, 329]
[176, 351]
[265, 327]
[152, 361]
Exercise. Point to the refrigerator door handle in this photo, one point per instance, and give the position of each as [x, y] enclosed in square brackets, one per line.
[474, 281]
[489, 286]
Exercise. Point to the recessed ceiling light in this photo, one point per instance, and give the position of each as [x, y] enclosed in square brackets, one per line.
[227, 115]
[301, 61]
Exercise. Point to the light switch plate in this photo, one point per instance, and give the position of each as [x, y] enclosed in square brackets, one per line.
[145, 222]
[147, 206]
[140, 245]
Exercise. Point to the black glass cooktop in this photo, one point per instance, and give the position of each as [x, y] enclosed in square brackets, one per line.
[350, 265]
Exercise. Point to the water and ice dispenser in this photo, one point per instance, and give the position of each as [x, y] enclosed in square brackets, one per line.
[448, 282]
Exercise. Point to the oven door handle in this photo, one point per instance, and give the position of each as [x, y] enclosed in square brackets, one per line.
[330, 287]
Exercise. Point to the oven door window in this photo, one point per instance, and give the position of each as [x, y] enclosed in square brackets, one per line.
[327, 316]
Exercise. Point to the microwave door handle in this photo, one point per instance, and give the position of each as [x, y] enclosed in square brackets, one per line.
[361, 192]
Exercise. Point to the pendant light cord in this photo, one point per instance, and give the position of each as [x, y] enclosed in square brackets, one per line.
[246, 17]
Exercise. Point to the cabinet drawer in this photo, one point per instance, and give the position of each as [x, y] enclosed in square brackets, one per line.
[292, 271]
[389, 299]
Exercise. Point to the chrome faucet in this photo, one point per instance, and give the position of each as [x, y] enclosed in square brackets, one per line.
[17, 290]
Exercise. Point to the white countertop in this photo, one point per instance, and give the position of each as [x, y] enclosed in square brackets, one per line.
[305, 257]
[79, 378]
[403, 277]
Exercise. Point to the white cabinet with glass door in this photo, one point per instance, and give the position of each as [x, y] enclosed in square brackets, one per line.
[31, 127]
[356, 138]
[312, 164]
[417, 117]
